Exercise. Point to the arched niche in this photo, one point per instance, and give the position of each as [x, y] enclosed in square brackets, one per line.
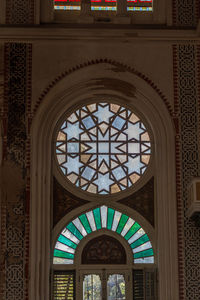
[127, 88]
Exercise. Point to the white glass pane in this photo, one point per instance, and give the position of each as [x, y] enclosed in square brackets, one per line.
[61, 261]
[136, 236]
[92, 287]
[116, 287]
[145, 260]
[128, 225]
[91, 220]
[142, 247]
[79, 226]
[70, 236]
[63, 247]
[104, 211]
[117, 217]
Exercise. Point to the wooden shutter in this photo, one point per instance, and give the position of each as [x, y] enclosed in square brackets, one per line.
[138, 285]
[144, 285]
[63, 285]
[150, 285]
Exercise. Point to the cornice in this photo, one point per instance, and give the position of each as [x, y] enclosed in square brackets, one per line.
[112, 34]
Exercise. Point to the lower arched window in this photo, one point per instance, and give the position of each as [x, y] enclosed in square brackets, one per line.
[103, 254]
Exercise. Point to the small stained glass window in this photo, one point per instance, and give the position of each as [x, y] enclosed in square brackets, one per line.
[103, 148]
[105, 5]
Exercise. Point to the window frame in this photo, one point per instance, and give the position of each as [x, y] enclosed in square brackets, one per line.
[160, 15]
[146, 99]
[112, 196]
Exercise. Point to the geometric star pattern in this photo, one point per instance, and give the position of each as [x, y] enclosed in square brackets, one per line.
[103, 148]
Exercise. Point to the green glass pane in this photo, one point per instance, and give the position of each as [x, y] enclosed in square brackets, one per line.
[85, 223]
[110, 218]
[59, 253]
[74, 230]
[122, 223]
[143, 239]
[66, 241]
[97, 217]
[132, 231]
[145, 253]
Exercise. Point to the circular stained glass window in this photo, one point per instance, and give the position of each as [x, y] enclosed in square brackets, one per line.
[103, 148]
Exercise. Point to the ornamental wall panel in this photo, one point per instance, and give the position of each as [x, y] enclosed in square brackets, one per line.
[15, 168]
[187, 86]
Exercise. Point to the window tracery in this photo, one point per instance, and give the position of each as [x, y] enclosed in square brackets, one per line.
[103, 148]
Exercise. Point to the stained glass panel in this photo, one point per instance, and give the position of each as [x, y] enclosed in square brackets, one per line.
[96, 219]
[140, 5]
[103, 148]
[105, 5]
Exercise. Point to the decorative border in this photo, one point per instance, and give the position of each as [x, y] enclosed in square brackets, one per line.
[122, 67]
[17, 103]
[2, 202]
[180, 216]
[198, 85]
[187, 165]
[185, 12]
[20, 11]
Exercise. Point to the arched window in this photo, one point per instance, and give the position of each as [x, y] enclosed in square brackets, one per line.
[105, 11]
[102, 149]
[111, 266]
[108, 219]
[74, 202]
[105, 5]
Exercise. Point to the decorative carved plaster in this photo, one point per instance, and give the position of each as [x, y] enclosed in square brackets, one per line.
[20, 12]
[104, 250]
[17, 98]
[187, 167]
[185, 12]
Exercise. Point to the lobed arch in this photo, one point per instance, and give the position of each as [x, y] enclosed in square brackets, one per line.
[69, 92]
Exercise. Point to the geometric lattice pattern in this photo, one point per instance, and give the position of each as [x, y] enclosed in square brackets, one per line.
[103, 148]
[17, 88]
[103, 218]
[185, 12]
[190, 164]
[104, 5]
